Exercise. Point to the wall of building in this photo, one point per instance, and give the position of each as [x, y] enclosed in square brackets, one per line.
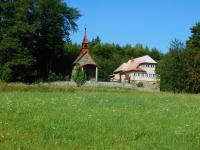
[142, 76]
[148, 75]
[149, 68]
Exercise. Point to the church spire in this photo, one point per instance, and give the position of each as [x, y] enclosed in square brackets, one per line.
[85, 43]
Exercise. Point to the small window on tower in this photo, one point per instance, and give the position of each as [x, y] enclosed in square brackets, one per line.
[85, 46]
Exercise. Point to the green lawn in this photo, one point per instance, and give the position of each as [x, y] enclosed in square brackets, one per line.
[99, 120]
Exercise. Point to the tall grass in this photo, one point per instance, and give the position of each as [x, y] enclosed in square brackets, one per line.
[48, 87]
[86, 119]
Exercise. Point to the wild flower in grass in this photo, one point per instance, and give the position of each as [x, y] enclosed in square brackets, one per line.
[9, 104]
[114, 110]
[74, 105]
[179, 131]
[187, 125]
[89, 116]
[53, 101]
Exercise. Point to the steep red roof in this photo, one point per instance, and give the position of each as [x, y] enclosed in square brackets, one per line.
[85, 44]
[85, 53]
[85, 39]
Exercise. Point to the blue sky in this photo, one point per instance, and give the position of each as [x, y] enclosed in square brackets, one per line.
[153, 23]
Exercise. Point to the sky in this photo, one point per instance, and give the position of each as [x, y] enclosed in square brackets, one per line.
[153, 23]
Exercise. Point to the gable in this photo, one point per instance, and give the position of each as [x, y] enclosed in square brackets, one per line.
[86, 59]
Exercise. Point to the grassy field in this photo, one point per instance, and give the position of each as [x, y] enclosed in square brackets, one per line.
[99, 120]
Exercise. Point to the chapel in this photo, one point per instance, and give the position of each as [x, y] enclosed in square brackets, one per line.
[86, 61]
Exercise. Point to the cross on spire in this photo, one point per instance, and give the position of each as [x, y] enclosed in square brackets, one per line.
[85, 28]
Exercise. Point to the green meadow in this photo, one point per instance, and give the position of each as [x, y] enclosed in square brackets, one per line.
[98, 119]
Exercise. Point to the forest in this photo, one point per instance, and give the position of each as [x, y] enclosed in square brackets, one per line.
[35, 46]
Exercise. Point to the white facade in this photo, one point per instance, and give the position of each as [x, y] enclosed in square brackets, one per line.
[148, 75]
[136, 70]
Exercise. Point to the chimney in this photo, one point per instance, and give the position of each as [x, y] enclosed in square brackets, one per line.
[132, 59]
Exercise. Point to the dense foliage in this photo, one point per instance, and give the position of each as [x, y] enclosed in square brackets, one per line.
[78, 76]
[193, 60]
[172, 68]
[32, 37]
[180, 69]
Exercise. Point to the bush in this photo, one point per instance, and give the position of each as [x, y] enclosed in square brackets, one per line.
[57, 77]
[78, 76]
[140, 84]
[6, 73]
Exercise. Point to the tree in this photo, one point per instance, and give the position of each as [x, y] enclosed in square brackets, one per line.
[172, 68]
[17, 62]
[155, 54]
[56, 20]
[78, 76]
[33, 34]
[71, 52]
[193, 60]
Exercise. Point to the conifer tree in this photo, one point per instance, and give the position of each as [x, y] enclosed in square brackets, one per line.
[193, 60]
[32, 37]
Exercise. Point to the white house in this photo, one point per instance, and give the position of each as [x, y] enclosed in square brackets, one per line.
[141, 69]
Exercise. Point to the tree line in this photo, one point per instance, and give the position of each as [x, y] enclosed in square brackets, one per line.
[35, 46]
[33, 34]
[179, 69]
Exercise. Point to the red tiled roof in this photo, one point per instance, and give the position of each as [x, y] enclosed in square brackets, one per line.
[84, 51]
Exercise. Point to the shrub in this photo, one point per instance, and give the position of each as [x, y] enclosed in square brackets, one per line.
[78, 76]
[57, 77]
[6, 73]
[140, 84]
